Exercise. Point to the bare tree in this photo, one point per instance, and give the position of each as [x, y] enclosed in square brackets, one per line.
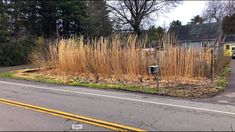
[216, 10]
[137, 12]
[230, 7]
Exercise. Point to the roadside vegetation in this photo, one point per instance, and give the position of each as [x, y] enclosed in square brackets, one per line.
[122, 59]
[122, 63]
[221, 81]
[34, 75]
[113, 51]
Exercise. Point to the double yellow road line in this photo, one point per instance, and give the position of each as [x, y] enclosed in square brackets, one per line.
[92, 121]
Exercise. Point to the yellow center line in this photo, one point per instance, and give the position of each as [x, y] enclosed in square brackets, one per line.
[92, 121]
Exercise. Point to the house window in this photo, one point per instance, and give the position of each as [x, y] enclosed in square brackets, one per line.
[204, 44]
[227, 47]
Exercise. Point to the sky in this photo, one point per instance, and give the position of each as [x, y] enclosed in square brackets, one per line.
[183, 12]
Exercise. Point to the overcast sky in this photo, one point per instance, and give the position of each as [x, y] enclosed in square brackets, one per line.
[184, 12]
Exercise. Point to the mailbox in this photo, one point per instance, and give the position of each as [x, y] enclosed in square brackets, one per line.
[154, 69]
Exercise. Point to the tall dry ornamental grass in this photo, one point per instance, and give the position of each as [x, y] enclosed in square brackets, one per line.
[118, 58]
[101, 57]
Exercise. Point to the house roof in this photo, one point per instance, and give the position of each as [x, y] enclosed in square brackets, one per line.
[229, 38]
[198, 32]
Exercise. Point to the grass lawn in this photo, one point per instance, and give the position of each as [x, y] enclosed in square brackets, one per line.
[220, 84]
[221, 80]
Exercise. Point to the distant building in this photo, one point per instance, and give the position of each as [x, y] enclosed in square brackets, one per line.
[229, 44]
[198, 35]
[229, 39]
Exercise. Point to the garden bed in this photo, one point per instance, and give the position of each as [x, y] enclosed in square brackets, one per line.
[194, 88]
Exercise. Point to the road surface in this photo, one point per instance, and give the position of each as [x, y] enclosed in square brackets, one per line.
[147, 112]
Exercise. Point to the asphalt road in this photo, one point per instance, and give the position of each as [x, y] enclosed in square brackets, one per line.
[143, 111]
[17, 119]
[5, 69]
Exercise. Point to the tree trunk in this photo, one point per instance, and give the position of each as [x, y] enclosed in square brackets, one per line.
[136, 29]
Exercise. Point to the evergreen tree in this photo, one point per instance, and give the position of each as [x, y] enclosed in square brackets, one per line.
[15, 17]
[33, 22]
[41, 17]
[48, 13]
[197, 20]
[14, 44]
[22, 21]
[155, 33]
[228, 24]
[71, 13]
[3, 23]
[98, 22]
[174, 24]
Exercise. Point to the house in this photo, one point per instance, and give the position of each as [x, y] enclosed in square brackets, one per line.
[229, 44]
[198, 35]
[229, 39]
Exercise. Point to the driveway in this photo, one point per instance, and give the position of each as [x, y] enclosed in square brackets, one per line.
[228, 96]
[11, 68]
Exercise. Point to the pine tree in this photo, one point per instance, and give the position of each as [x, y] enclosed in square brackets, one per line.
[197, 20]
[3, 24]
[98, 23]
[15, 17]
[174, 24]
[21, 21]
[228, 24]
[48, 15]
[33, 23]
[71, 13]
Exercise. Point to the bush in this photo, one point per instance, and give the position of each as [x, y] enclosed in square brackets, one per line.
[15, 52]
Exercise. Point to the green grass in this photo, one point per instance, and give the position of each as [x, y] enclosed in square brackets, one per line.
[43, 79]
[116, 86]
[222, 79]
[100, 86]
[7, 74]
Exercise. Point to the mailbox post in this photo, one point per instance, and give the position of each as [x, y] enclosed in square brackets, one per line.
[154, 70]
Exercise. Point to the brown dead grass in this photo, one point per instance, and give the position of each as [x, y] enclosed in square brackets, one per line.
[124, 60]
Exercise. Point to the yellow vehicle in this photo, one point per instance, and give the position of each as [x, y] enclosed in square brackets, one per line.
[228, 49]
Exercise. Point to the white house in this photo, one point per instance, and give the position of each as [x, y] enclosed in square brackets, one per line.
[198, 35]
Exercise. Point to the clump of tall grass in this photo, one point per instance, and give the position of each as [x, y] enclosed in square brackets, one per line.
[102, 57]
[119, 58]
